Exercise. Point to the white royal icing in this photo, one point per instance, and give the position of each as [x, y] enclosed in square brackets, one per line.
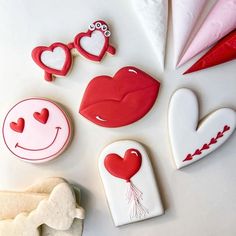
[187, 135]
[154, 16]
[93, 44]
[54, 59]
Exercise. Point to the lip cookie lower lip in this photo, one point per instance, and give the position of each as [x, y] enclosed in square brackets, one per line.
[119, 100]
[36, 130]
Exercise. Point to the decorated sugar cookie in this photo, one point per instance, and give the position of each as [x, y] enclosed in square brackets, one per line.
[95, 42]
[36, 130]
[192, 140]
[129, 182]
[119, 100]
[54, 60]
[223, 51]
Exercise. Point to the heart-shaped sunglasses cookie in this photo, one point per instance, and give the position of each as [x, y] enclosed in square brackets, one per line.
[56, 59]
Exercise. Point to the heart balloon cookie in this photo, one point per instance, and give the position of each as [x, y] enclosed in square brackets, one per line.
[95, 42]
[190, 139]
[119, 100]
[129, 182]
[36, 130]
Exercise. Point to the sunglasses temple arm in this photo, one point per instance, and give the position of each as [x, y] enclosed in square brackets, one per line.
[111, 50]
[48, 76]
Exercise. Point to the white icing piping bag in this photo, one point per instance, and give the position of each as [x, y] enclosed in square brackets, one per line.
[153, 15]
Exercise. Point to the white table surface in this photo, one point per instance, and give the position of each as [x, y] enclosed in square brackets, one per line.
[199, 199]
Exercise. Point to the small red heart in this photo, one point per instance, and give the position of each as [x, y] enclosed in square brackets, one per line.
[124, 168]
[197, 152]
[188, 158]
[219, 135]
[42, 116]
[205, 146]
[213, 141]
[226, 128]
[19, 126]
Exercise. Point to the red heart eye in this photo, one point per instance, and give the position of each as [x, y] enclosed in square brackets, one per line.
[18, 126]
[42, 116]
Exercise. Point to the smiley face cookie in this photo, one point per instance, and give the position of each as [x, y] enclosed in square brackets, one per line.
[36, 130]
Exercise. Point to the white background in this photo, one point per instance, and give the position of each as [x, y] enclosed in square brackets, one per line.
[199, 200]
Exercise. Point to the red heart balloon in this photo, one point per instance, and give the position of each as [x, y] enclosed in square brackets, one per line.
[37, 54]
[42, 116]
[124, 168]
[18, 126]
[121, 100]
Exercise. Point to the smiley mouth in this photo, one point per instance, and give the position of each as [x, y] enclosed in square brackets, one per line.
[40, 149]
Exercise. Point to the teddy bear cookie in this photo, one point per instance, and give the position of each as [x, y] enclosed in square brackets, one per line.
[129, 182]
[36, 130]
[190, 139]
[119, 100]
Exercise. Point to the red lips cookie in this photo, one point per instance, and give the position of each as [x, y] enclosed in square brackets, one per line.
[121, 100]
[95, 42]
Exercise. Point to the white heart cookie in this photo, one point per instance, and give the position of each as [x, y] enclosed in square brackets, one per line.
[190, 139]
[54, 59]
[93, 44]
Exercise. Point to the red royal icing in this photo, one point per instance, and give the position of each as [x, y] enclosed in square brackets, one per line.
[124, 168]
[121, 100]
[42, 116]
[223, 51]
[206, 146]
[18, 126]
[49, 72]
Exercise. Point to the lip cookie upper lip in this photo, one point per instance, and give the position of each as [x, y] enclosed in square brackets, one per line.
[121, 100]
[40, 149]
